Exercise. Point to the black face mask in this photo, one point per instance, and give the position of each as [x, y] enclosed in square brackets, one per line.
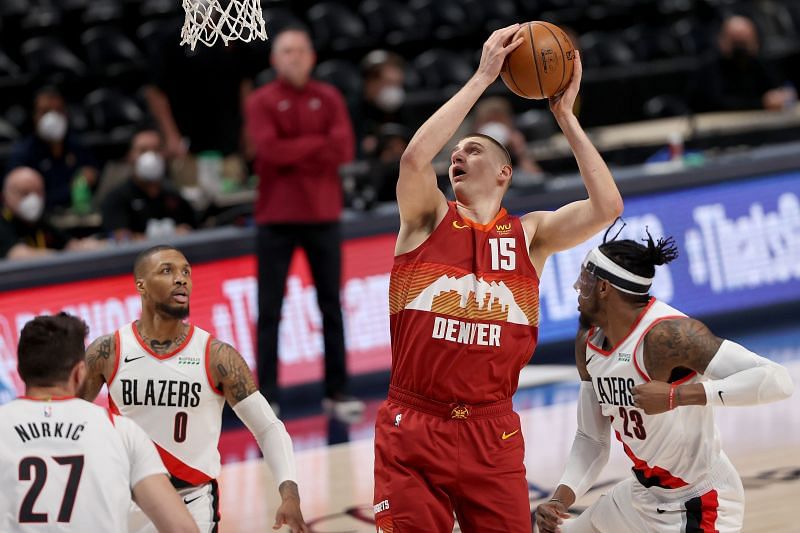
[740, 55]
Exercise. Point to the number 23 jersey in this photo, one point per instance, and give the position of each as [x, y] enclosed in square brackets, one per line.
[669, 450]
[172, 397]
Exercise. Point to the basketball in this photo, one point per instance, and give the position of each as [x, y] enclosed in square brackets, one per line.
[541, 66]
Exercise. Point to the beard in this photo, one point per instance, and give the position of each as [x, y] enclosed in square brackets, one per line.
[173, 311]
[585, 321]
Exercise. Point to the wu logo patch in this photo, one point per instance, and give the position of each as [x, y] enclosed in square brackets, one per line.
[624, 357]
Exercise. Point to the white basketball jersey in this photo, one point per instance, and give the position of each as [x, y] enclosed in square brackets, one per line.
[65, 466]
[172, 398]
[669, 450]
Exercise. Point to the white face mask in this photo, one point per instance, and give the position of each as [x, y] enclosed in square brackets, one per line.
[31, 207]
[150, 166]
[497, 131]
[390, 98]
[52, 126]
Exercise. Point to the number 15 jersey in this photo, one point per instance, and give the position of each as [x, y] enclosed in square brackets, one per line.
[464, 311]
[172, 397]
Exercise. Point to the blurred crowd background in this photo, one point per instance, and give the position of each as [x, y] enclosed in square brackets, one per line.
[101, 109]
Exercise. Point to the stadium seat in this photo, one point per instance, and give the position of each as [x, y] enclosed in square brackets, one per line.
[8, 69]
[102, 12]
[49, 60]
[449, 19]
[344, 75]
[277, 18]
[109, 109]
[110, 53]
[394, 20]
[336, 28]
[159, 8]
[442, 69]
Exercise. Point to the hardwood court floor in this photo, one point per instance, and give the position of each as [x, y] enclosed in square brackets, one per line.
[336, 482]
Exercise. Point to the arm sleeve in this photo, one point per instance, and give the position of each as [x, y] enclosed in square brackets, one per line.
[590, 449]
[144, 458]
[271, 435]
[269, 147]
[740, 377]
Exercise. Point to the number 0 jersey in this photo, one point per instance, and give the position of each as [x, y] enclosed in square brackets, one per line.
[668, 450]
[172, 397]
[68, 465]
[464, 311]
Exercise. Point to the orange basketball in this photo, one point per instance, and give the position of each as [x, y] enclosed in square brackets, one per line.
[541, 66]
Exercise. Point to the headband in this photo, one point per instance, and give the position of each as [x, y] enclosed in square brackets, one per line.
[600, 265]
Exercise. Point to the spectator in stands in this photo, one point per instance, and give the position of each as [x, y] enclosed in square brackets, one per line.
[25, 231]
[383, 97]
[392, 139]
[735, 76]
[494, 117]
[301, 133]
[146, 206]
[53, 150]
[197, 98]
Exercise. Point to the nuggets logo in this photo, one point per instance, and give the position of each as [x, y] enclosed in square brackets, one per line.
[503, 229]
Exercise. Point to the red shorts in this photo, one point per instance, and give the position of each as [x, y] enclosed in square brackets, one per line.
[434, 459]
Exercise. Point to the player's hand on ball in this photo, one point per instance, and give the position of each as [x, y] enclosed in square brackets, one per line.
[564, 102]
[499, 44]
[289, 514]
[652, 397]
[550, 515]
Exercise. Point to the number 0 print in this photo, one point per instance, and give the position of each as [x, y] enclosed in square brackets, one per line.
[503, 255]
[181, 419]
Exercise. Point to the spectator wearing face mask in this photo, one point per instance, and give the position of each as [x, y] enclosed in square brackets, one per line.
[494, 117]
[53, 150]
[734, 76]
[383, 97]
[25, 231]
[146, 206]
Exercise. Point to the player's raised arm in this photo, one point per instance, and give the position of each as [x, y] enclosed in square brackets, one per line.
[230, 371]
[99, 364]
[736, 375]
[574, 223]
[421, 203]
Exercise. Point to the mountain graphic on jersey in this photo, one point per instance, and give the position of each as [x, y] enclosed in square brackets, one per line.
[470, 297]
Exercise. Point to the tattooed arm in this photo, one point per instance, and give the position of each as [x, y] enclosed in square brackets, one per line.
[231, 373]
[234, 377]
[737, 375]
[99, 364]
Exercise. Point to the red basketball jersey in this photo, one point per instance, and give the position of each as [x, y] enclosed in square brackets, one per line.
[464, 309]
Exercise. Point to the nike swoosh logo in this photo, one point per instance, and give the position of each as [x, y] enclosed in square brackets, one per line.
[508, 436]
[660, 511]
[129, 359]
[187, 502]
[720, 397]
[459, 226]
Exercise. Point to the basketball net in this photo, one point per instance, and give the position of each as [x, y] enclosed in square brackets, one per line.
[229, 20]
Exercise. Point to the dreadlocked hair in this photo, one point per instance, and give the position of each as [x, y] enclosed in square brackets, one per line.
[638, 258]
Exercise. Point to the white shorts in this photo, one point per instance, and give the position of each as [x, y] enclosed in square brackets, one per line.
[714, 504]
[202, 502]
